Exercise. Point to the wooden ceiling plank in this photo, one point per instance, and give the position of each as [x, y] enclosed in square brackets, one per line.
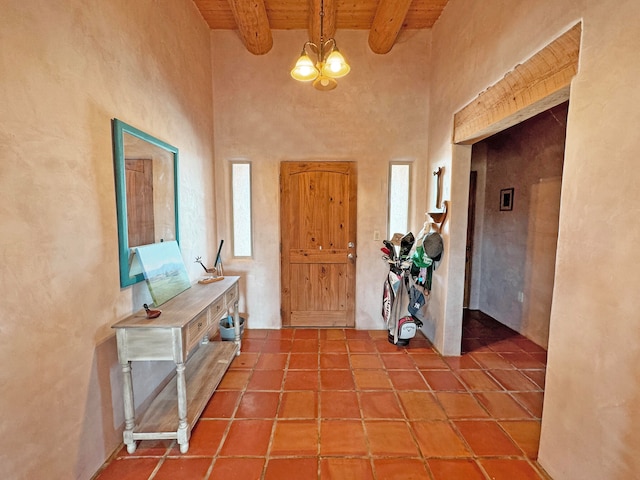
[253, 25]
[424, 13]
[294, 14]
[386, 24]
[329, 22]
[287, 15]
[300, 15]
[538, 84]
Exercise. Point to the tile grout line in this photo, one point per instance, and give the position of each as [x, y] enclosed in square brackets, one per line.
[267, 455]
[381, 352]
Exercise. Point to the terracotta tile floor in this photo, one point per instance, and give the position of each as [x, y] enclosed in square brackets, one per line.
[346, 404]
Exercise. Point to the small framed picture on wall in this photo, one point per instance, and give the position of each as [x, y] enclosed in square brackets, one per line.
[506, 199]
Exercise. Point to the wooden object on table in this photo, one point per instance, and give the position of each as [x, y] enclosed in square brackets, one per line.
[210, 279]
[180, 334]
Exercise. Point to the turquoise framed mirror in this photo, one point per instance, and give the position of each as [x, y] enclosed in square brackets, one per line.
[146, 178]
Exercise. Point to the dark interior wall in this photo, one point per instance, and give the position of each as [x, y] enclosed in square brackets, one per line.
[517, 248]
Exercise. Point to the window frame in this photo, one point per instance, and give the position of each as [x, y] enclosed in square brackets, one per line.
[234, 233]
[409, 166]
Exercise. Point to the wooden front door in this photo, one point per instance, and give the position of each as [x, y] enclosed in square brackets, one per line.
[318, 243]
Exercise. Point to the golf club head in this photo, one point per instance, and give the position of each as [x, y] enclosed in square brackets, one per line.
[406, 244]
[391, 248]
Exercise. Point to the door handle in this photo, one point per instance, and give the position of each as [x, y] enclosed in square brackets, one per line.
[351, 257]
[350, 245]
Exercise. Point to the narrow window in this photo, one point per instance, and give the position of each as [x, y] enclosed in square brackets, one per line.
[399, 176]
[241, 209]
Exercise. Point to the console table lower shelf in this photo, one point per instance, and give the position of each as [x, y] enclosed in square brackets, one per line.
[203, 373]
[181, 335]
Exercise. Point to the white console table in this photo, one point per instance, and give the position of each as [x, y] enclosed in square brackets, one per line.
[180, 334]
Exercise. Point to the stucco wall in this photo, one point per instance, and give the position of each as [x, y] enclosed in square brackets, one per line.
[377, 114]
[592, 394]
[66, 69]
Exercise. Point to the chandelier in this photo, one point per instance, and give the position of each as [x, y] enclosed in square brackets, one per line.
[329, 64]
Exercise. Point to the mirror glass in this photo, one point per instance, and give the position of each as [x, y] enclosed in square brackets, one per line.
[146, 171]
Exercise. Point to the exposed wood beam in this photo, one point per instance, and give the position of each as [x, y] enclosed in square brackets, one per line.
[387, 23]
[253, 25]
[294, 14]
[538, 84]
[329, 21]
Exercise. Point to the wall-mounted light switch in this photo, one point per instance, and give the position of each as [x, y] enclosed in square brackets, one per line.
[376, 235]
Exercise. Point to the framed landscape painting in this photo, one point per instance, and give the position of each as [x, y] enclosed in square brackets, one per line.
[163, 270]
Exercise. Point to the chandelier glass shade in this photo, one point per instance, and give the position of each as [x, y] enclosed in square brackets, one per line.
[329, 63]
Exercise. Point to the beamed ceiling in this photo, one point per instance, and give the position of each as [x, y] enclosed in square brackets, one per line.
[255, 19]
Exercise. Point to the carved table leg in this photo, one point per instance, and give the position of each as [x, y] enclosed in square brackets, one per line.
[129, 409]
[236, 325]
[183, 427]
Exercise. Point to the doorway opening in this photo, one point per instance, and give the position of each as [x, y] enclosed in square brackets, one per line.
[535, 86]
[510, 252]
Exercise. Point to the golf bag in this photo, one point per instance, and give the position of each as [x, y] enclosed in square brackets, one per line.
[404, 301]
